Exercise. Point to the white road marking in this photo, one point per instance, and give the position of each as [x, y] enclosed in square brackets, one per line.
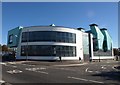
[14, 66]
[9, 65]
[97, 71]
[115, 68]
[1, 81]
[72, 64]
[31, 65]
[27, 65]
[42, 72]
[85, 79]
[37, 70]
[103, 67]
[2, 63]
[34, 69]
[14, 71]
[12, 62]
[31, 69]
[23, 64]
[86, 70]
[42, 68]
[90, 71]
[18, 62]
[5, 64]
[65, 69]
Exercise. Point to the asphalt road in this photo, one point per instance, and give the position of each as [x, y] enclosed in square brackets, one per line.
[60, 72]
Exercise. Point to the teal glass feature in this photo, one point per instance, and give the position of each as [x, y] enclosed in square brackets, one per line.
[98, 37]
[14, 36]
[85, 40]
[107, 44]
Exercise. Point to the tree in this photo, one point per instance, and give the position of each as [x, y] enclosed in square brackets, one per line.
[119, 51]
[116, 52]
[4, 48]
[0, 48]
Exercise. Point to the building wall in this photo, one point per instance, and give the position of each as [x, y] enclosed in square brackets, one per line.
[78, 44]
[14, 34]
[87, 46]
[108, 39]
[104, 50]
[84, 42]
[97, 34]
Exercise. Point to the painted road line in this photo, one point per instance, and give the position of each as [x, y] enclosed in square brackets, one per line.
[14, 66]
[12, 63]
[5, 64]
[86, 70]
[103, 67]
[34, 69]
[18, 62]
[65, 69]
[27, 65]
[42, 72]
[42, 68]
[2, 63]
[97, 72]
[37, 70]
[93, 81]
[1, 81]
[72, 64]
[23, 64]
[115, 68]
[14, 71]
[31, 69]
[90, 71]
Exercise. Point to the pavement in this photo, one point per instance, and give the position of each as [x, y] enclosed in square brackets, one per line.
[31, 72]
[50, 63]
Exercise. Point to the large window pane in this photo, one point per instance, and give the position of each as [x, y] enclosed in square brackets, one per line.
[48, 36]
[48, 50]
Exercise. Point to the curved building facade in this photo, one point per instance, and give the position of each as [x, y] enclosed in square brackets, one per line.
[50, 43]
[60, 43]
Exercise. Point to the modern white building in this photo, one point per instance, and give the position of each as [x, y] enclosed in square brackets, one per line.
[51, 43]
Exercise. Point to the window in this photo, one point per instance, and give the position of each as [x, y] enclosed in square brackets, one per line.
[10, 39]
[105, 46]
[49, 36]
[95, 44]
[48, 50]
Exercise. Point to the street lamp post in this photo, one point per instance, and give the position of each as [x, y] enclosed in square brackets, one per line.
[99, 57]
[16, 46]
[98, 52]
[27, 44]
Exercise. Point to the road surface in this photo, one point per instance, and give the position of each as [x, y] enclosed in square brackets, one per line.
[58, 72]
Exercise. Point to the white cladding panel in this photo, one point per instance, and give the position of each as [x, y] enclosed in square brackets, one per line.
[78, 44]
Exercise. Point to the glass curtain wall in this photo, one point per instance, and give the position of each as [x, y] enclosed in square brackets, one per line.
[48, 36]
[48, 50]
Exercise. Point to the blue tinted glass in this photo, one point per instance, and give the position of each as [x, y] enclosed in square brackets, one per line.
[49, 36]
[48, 50]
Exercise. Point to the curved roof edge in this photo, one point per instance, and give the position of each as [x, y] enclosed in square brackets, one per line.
[103, 29]
[49, 26]
[93, 25]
